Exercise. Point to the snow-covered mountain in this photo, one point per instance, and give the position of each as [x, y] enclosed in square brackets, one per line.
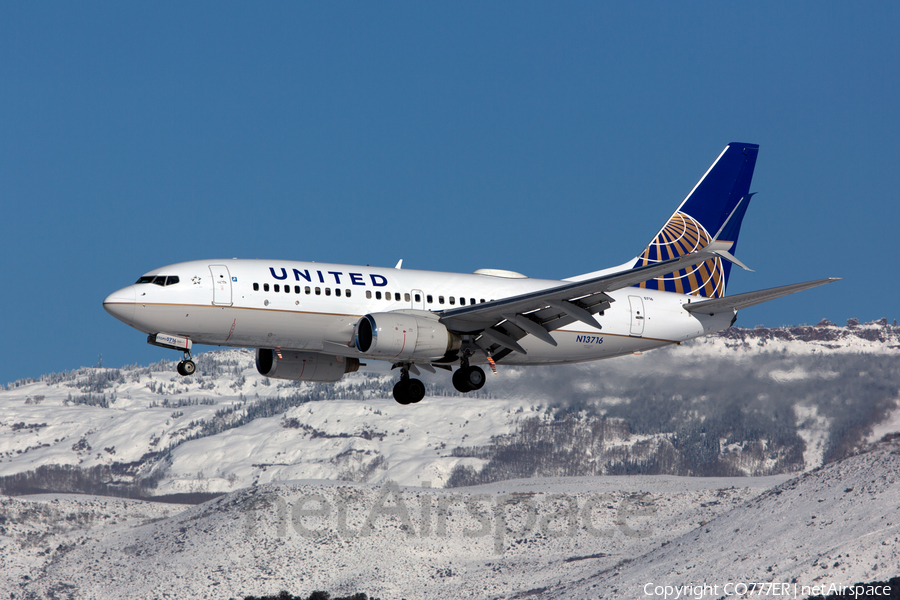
[594, 537]
[337, 487]
[835, 526]
[745, 402]
[874, 337]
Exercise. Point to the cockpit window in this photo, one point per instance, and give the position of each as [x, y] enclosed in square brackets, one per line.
[161, 280]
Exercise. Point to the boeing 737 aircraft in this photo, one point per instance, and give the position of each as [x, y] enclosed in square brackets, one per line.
[315, 322]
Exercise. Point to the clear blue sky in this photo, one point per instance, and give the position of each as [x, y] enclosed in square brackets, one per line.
[543, 138]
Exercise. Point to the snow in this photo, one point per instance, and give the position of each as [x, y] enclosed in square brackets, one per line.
[413, 438]
[835, 523]
[272, 537]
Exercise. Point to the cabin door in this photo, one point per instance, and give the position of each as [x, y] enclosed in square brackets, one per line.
[637, 315]
[221, 285]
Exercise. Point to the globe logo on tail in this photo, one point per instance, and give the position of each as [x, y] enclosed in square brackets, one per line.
[681, 235]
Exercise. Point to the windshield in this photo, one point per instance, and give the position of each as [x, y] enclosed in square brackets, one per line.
[162, 280]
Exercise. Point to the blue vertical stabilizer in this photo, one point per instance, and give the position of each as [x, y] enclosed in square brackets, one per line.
[716, 205]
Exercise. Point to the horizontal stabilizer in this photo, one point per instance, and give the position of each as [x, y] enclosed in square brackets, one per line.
[739, 301]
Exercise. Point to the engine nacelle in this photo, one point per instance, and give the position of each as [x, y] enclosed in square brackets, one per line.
[405, 336]
[303, 366]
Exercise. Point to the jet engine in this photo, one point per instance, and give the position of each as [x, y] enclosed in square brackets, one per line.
[303, 366]
[405, 336]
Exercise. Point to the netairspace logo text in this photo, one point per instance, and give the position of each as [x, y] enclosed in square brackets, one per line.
[497, 517]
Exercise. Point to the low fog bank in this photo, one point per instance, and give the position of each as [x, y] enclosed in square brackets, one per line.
[674, 412]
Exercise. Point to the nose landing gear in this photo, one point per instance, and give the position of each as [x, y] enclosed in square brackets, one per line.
[174, 342]
[187, 366]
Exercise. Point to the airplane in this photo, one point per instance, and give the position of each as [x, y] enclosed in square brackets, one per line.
[313, 321]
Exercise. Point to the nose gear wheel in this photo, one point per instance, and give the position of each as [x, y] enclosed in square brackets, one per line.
[187, 366]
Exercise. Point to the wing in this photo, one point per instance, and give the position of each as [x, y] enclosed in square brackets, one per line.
[738, 301]
[500, 323]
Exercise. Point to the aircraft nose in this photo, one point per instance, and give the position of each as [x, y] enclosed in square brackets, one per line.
[120, 304]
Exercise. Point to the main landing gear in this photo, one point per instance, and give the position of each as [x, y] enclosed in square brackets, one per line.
[187, 366]
[468, 379]
[408, 391]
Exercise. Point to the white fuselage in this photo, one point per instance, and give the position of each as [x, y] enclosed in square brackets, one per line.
[316, 306]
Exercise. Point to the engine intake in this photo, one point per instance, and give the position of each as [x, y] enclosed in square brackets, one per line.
[404, 336]
[303, 366]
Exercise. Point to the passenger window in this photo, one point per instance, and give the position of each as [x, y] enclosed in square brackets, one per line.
[369, 294]
[296, 289]
[307, 290]
[418, 298]
[347, 293]
[440, 299]
[287, 289]
[255, 287]
[337, 292]
[327, 291]
[397, 297]
[265, 287]
[318, 291]
[482, 300]
[430, 299]
[378, 295]
[276, 287]
[471, 300]
[461, 301]
[452, 300]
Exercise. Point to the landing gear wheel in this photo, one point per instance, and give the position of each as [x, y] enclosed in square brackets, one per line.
[415, 390]
[409, 391]
[186, 367]
[401, 394]
[468, 379]
[475, 378]
[460, 381]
